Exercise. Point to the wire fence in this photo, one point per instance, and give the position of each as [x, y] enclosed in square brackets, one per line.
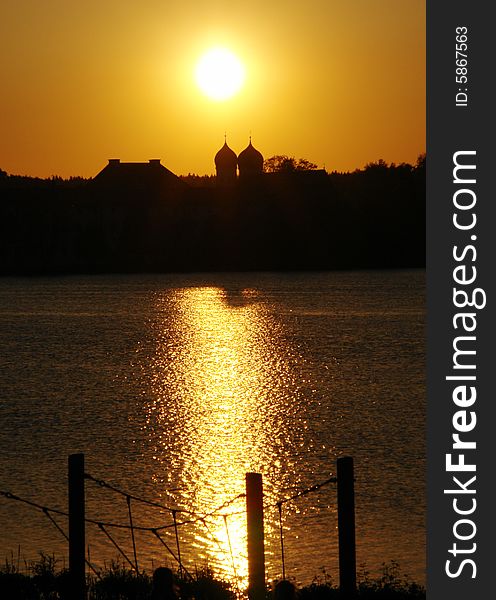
[179, 519]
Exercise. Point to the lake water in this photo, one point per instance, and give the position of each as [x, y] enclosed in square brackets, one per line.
[175, 386]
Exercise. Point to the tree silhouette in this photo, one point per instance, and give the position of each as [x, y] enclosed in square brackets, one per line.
[378, 165]
[281, 163]
[420, 164]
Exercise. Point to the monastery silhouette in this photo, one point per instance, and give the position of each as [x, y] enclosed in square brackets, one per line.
[245, 169]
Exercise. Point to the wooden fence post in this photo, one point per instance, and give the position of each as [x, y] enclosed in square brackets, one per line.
[255, 526]
[76, 527]
[346, 527]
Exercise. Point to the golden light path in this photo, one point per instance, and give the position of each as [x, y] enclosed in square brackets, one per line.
[219, 410]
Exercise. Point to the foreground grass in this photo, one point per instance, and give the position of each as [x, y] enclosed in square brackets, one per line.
[45, 582]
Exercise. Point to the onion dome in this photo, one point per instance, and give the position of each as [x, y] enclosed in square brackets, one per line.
[226, 159]
[250, 161]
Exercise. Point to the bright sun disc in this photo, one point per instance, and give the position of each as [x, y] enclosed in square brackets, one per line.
[219, 74]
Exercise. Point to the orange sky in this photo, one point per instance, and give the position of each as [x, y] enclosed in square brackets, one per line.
[340, 82]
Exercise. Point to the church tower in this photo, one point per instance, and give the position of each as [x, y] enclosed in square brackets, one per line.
[250, 163]
[226, 163]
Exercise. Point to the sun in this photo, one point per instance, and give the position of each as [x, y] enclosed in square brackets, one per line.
[219, 74]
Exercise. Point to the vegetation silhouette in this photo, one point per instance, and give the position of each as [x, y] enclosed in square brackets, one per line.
[284, 590]
[163, 586]
[42, 580]
[281, 163]
[142, 218]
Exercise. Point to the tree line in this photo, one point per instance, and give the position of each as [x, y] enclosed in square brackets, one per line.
[295, 218]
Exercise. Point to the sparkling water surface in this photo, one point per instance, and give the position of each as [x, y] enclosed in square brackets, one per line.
[175, 386]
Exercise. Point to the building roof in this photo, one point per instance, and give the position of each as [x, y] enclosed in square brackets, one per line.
[137, 175]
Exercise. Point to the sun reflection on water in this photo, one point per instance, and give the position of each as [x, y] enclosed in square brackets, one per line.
[218, 408]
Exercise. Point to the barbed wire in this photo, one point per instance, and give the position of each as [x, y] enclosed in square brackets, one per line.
[231, 552]
[109, 486]
[279, 505]
[306, 491]
[12, 496]
[197, 518]
[173, 511]
[47, 512]
[99, 522]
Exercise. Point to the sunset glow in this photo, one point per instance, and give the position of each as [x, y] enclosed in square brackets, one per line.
[219, 74]
[340, 84]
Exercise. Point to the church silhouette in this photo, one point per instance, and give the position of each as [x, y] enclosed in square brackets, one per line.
[249, 163]
[244, 172]
[152, 174]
